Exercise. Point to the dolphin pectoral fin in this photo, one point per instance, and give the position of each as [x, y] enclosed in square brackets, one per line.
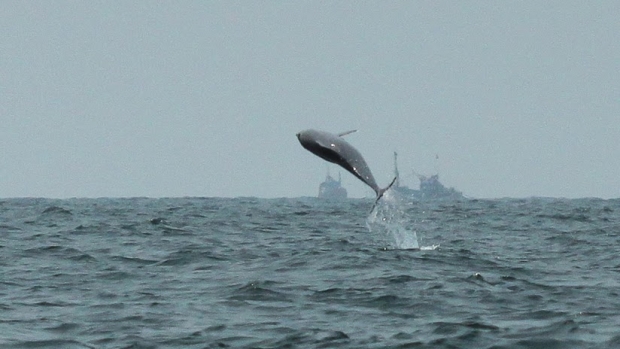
[381, 192]
[346, 133]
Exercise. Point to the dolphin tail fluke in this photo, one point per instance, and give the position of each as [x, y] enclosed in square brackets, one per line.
[381, 192]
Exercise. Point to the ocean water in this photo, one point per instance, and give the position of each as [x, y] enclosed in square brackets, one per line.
[306, 273]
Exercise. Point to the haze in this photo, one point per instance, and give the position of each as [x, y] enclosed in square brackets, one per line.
[196, 98]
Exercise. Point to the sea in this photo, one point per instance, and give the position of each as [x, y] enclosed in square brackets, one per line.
[309, 273]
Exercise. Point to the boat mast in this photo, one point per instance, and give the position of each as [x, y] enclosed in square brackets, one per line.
[397, 183]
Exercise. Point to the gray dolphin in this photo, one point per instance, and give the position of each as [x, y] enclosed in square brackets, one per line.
[334, 148]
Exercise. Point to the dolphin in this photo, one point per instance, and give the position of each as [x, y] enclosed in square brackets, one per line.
[334, 148]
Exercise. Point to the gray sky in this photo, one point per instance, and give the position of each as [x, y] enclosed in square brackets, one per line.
[196, 98]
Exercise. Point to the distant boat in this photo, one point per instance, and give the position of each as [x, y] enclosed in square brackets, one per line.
[332, 189]
[430, 187]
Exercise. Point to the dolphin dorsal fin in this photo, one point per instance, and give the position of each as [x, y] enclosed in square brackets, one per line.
[346, 133]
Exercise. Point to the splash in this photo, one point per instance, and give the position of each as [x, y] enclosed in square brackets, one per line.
[388, 217]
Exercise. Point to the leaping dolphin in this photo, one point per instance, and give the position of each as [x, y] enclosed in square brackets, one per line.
[334, 148]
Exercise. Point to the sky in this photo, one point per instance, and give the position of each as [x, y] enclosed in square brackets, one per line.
[204, 98]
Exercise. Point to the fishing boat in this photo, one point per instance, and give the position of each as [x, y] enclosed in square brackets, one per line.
[430, 187]
[332, 189]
